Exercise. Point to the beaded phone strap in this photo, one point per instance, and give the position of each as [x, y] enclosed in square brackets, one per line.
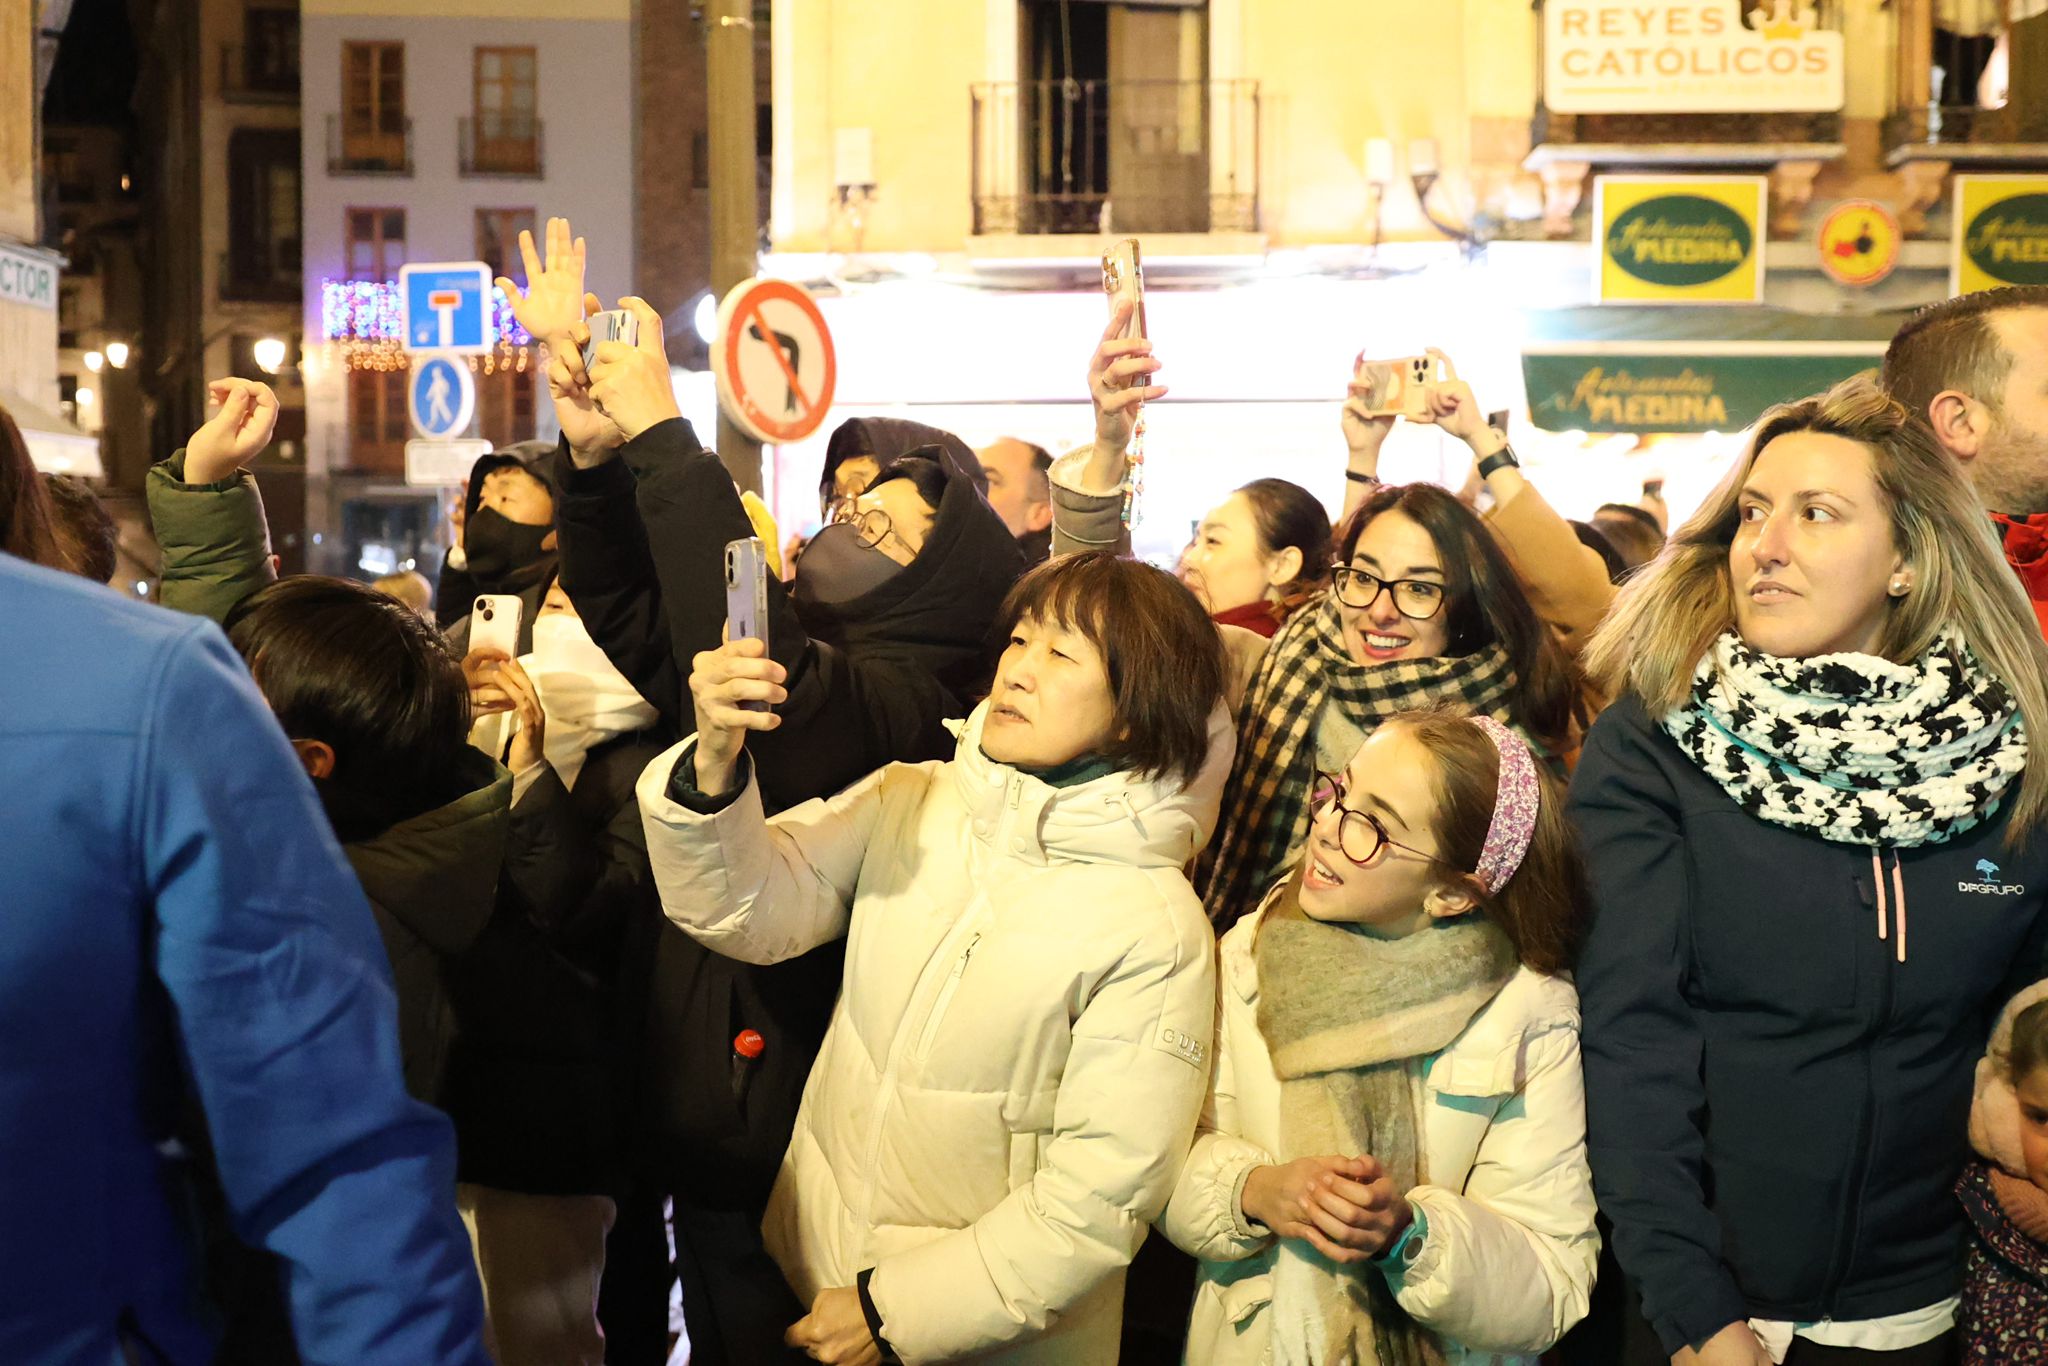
[1134, 472]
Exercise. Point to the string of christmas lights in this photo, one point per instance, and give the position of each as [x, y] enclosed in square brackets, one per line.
[362, 326]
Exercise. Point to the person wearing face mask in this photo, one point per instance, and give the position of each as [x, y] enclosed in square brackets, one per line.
[508, 539]
[1393, 1151]
[1424, 610]
[861, 450]
[1019, 1052]
[1808, 825]
[1259, 556]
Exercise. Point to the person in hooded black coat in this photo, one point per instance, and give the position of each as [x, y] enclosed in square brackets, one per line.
[861, 450]
[508, 540]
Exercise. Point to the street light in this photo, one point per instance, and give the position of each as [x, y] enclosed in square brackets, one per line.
[94, 360]
[84, 397]
[704, 317]
[270, 355]
[117, 355]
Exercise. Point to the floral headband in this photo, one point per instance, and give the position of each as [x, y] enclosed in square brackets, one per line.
[1514, 807]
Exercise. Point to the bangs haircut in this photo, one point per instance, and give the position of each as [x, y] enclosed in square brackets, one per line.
[1159, 648]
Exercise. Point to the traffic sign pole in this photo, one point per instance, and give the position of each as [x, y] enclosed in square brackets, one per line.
[729, 87]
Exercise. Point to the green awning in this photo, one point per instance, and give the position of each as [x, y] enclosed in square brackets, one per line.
[1652, 370]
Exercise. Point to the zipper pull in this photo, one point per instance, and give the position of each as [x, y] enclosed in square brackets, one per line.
[960, 969]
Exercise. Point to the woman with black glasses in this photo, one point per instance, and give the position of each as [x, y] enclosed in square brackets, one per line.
[1424, 611]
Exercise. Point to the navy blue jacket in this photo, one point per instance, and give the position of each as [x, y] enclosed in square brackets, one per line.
[176, 922]
[1777, 1108]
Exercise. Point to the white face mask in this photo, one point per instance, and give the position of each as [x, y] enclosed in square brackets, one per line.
[586, 699]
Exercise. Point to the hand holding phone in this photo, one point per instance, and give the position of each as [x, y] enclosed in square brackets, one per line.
[494, 624]
[1123, 282]
[1399, 388]
[613, 324]
[746, 596]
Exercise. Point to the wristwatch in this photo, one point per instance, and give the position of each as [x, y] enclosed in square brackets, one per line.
[1502, 459]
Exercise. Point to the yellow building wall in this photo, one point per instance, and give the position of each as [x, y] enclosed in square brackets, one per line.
[18, 151]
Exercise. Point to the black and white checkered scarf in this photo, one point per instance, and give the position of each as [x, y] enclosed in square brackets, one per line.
[1265, 806]
[1852, 747]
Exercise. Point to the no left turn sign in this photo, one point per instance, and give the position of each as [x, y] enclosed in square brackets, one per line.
[773, 360]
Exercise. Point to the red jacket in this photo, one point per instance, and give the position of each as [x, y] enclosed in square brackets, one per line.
[2026, 550]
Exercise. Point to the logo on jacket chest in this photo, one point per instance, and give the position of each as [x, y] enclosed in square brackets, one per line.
[1987, 883]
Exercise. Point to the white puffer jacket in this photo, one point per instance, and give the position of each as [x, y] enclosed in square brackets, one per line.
[1507, 1264]
[1020, 1050]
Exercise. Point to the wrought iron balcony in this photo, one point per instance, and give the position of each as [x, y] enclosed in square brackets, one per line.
[502, 145]
[1115, 156]
[376, 146]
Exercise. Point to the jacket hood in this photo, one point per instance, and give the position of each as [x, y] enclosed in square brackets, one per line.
[535, 457]
[1117, 818]
[889, 439]
[940, 612]
[437, 873]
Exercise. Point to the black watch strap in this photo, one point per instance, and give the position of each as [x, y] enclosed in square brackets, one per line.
[874, 1318]
[1502, 459]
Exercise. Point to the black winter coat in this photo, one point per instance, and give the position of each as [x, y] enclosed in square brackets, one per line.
[1777, 1107]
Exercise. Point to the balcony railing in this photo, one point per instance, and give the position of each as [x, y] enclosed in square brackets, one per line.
[502, 145]
[1705, 132]
[1943, 81]
[259, 74]
[1116, 156]
[381, 146]
[261, 278]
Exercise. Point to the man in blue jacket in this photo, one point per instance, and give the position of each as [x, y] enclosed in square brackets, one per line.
[176, 923]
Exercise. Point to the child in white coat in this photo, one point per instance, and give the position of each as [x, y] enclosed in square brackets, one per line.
[1391, 1167]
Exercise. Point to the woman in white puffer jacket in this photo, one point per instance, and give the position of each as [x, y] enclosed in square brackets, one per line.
[1020, 1050]
[1423, 1005]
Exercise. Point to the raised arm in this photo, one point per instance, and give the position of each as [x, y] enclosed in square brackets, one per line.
[206, 510]
[1088, 484]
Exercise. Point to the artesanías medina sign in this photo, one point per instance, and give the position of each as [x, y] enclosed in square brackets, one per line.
[1679, 387]
[2001, 232]
[1691, 239]
[1697, 57]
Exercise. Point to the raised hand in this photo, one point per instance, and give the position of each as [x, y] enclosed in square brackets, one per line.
[552, 305]
[592, 435]
[1344, 1207]
[235, 435]
[1363, 431]
[1119, 380]
[530, 740]
[630, 384]
[1452, 407]
[720, 680]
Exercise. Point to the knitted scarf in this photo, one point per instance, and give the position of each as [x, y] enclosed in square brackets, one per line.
[1852, 747]
[1343, 1013]
[1265, 806]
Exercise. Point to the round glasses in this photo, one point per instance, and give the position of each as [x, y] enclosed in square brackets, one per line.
[872, 526]
[1415, 599]
[1359, 834]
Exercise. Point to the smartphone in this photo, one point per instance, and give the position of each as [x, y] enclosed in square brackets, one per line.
[614, 324]
[746, 595]
[494, 623]
[1123, 277]
[1394, 388]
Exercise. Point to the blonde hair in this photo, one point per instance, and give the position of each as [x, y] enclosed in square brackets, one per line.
[1672, 611]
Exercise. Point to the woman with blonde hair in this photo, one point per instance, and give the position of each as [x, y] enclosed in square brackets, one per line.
[1827, 685]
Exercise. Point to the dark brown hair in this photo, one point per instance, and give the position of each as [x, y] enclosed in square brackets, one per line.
[1632, 531]
[27, 525]
[1951, 345]
[1542, 909]
[2029, 1040]
[1286, 514]
[1484, 605]
[86, 534]
[1162, 653]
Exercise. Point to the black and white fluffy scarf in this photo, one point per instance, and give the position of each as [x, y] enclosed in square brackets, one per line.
[1852, 747]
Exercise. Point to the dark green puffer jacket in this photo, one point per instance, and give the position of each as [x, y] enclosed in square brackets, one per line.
[215, 540]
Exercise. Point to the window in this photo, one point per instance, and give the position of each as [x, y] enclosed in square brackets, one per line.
[270, 53]
[373, 105]
[377, 419]
[263, 214]
[497, 239]
[376, 243]
[507, 101]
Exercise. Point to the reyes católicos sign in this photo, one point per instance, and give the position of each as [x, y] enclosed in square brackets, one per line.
[1693, 57]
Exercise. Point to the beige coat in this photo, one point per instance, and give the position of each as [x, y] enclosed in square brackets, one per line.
[1019, 1055]
[1507, 1264]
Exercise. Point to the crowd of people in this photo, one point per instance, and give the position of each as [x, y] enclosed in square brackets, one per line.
[1424, 935]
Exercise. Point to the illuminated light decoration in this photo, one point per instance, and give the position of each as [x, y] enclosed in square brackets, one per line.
[362, 324]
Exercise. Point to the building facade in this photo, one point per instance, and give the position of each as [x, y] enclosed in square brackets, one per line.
[436, 131]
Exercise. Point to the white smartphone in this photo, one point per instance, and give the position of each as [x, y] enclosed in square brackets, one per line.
[746, 595]
[1393, 388]
[494, 623]
[614, 324]
[1123, 278]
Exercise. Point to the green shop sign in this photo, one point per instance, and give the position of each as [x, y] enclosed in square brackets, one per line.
[1679, 241]
[1672, 389]
[2009, 240]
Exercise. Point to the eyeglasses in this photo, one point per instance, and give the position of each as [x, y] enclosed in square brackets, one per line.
[872, 526]
[1415, 599]
[1359, 834]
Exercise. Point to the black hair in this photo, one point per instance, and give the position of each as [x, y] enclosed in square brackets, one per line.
[922, 468]
[344, 664]
[1287, 514]
[1594, 539]
[85, 530]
